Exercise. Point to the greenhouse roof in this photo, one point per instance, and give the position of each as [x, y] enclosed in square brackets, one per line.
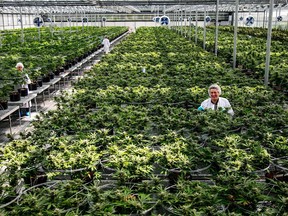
[128, 2]
[132, 6]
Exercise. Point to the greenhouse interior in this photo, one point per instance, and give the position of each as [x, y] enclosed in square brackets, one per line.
[173, 107]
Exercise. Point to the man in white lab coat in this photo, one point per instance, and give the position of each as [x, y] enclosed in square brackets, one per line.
[215, 101]
[106, 44]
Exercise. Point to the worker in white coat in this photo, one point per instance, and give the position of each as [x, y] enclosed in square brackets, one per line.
[106, 44]
[215, 101]
[26, 80]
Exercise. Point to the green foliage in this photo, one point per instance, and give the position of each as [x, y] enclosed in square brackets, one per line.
[139, 127]
[251, 51]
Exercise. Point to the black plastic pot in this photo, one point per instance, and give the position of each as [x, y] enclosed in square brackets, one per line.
[66, 67]
[75, 61]
[23, 91]
[40, 82]
[15, 96]
[80, 58]
[46, 78]
[32, 86]
[3, 104]
[51, 75]
[57, 72]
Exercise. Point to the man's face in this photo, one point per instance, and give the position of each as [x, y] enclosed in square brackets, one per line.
[19, 68]
[214, 94]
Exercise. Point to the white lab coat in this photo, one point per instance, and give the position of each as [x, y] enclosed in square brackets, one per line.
[222, 102]
[25, 85]
[27, 81]
[106, 44]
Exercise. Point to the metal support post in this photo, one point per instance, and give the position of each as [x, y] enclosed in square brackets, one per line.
[176, 19]
[21, 23]
[3, 21]
[196, 27]
[190, 26]
[82, 21]
[181, 17]
[39, 33]
[204, 32]
[266, 17]
[235, 34]
[95, 20]
[70, 22]
[217, 27]
[268, 46]
[257, 18]
[30, 23]
[13, 22]
[264, 14]
[76, 21]
[185, 24]
[61, 21]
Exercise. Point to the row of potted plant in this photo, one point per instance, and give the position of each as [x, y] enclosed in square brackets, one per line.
[61, 52]
[277, 34]
[251, 52]
[148, 144]
[227, 195]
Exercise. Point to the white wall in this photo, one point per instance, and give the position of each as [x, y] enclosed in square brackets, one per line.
[9, 21]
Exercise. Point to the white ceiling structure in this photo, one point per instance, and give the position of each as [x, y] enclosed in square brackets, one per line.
[131, 6]
[224, 7]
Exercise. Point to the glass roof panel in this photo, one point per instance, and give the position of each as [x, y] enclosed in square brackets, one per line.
[137, 6]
